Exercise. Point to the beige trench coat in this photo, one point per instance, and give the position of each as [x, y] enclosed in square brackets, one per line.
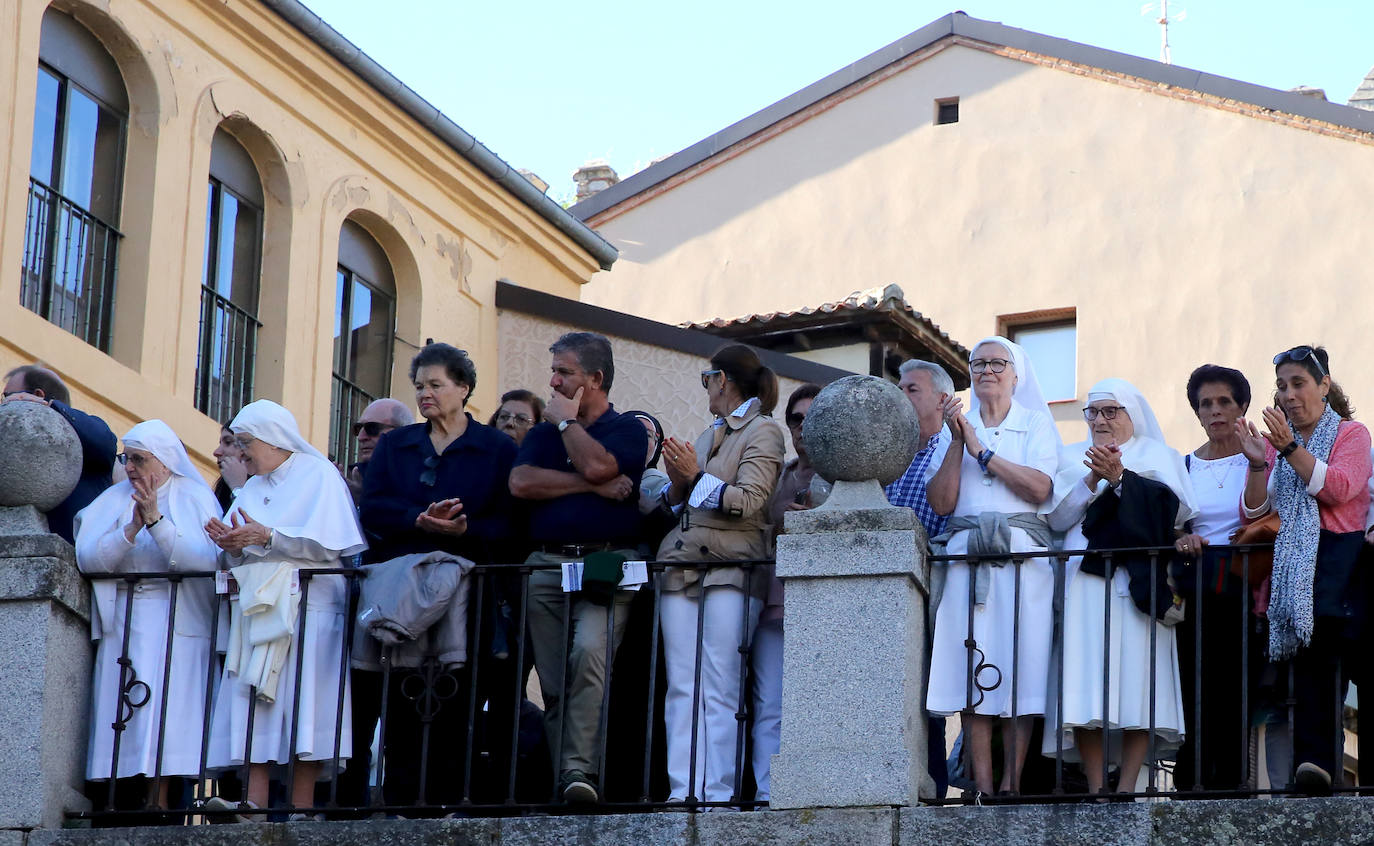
[746, 453]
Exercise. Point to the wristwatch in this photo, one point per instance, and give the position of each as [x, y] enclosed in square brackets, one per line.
[565, 424]
[1288, 450]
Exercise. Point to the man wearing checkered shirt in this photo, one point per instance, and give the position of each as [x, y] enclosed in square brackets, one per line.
[928, 387]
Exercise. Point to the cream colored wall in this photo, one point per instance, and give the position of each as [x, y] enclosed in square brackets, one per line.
[664, 382]
[853, 357]
[328, 147]
[1183, 233]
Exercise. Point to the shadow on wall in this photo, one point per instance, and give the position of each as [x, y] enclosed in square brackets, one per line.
[825, 138]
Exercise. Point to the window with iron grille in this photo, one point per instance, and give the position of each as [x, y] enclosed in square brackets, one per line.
[71, 237]
[364, 329]
[230, 281]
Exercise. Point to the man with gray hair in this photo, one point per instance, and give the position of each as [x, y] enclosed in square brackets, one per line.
[380, 417]
[931, 393]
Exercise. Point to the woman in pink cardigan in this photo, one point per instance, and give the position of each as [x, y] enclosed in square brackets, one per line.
[1312, 465]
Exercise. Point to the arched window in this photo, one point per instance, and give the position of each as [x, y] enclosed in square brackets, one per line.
[71, 237]
[229, 286]
[364, 329]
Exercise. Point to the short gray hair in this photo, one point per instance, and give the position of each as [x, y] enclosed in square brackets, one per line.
[939, 379]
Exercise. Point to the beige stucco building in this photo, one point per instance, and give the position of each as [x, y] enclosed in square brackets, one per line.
[203, 203]
[1129, 218]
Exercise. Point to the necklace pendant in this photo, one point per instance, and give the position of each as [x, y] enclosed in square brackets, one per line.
[987, 481]
[266, 500]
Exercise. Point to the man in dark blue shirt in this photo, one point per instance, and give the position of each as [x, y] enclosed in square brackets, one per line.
[35, 383]
[580, 471]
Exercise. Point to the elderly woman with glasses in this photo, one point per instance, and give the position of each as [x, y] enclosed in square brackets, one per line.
[1000, 490]
[1135, 493]
[436, 486]
[293, 515]
[720, 487]
[150, 522]
[1312, 466]
[520, 410]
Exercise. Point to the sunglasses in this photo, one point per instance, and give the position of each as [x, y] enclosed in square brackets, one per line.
[795, 420]
[1298, 354]
[372, 428]
[706, 377]
[1108, 411]
[430, 475]
[136, 460]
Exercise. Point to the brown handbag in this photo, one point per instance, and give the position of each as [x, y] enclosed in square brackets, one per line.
[1262, 531]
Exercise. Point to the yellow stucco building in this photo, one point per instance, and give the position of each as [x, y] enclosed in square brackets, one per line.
[204, 203]
[1121, 216]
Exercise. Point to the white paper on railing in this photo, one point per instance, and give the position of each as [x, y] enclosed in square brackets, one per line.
[633, 574]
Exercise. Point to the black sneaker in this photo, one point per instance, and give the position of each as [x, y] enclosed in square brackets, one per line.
[578, 788]
[1312, 780]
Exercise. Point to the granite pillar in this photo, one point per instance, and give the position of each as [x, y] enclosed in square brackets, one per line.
[45, 673]
[854, 643]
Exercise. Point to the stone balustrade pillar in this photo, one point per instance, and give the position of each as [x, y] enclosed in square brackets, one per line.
[45, 662]
[854, 643]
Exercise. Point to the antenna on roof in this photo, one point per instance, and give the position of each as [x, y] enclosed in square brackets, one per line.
[1163, 20]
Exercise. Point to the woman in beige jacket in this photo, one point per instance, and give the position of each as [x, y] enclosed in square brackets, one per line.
[720, 489]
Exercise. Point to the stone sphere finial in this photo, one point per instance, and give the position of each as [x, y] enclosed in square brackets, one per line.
[861, 428]
[40, 456]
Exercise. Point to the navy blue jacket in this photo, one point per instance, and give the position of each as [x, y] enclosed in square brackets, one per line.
[97, 461]
[587, 517]
[474, 468]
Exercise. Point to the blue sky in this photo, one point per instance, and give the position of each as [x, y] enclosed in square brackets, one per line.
[550, 84]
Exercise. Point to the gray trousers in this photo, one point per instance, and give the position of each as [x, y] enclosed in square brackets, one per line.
[574, 727]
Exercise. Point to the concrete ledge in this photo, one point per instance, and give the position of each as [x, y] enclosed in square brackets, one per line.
[42, 567]
[1251, 821]
[851, 553]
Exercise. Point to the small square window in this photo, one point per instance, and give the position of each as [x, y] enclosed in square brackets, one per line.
[947, 111]
[1050, 338]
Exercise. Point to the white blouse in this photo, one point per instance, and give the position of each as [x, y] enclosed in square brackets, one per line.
[1023, 437]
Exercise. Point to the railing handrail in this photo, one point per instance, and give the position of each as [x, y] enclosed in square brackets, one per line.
[228, 304]
[79, 209]
[654, 566]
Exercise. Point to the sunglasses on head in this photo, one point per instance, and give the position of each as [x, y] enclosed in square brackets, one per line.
[1298, 354]
[372, 428]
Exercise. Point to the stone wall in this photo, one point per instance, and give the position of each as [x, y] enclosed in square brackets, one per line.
[1265, 822]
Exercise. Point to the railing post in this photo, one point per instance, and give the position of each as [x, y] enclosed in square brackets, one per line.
[45, 667]
[854, 632]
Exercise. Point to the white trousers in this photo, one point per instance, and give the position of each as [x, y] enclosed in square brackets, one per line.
[725, 627]
[767, 661]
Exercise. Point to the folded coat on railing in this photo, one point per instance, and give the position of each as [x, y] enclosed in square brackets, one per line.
[416, 606]
[260, 634]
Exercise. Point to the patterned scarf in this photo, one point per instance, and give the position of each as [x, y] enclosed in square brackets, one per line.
[1295, 549]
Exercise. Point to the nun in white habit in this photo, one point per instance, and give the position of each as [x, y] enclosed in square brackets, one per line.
[293, 514]
[1010, 453]
[1123, 435]
[150, 522]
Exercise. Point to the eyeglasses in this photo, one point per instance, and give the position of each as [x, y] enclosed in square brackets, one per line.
[996, 365]
[706, 377]
[1108, 411]
[136, 460]
[507, 417]
[428, 477]
[1298, 354]
[244, 444]
[372, 428]
[795, 420]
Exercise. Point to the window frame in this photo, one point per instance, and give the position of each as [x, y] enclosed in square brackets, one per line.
[347, 399]
[1051, 318]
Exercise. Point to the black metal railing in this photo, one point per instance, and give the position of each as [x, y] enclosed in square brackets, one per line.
[225, 356]
[463, 740]
[346, 404]
[1224, 678]
[70, 262]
